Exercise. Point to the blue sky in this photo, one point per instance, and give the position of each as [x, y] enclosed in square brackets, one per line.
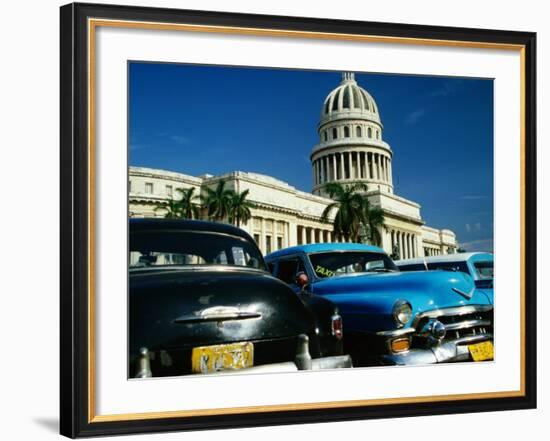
[213, 119]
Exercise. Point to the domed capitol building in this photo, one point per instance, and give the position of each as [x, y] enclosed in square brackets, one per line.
[351, 150]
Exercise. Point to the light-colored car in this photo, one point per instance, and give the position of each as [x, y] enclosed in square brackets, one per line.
[478, 265]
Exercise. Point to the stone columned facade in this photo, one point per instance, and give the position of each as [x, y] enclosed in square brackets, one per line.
[351, 150]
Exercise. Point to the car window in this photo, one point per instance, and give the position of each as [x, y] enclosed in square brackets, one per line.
[176, 247]
[484, 269]
[449, 266]
[331, 264]
[412, 267]
[287, 269]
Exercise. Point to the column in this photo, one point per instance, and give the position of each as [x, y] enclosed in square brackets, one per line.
[390, 176]
[400, 243]
[350, 171]
[286, 235]
[342, 166]
[317, 177]
[334, 173]
[367, 160]
[262, 235]
[378, 174]
[304, 240]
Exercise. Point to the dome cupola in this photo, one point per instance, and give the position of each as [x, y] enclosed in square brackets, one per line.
[349, 99]
[351, 149]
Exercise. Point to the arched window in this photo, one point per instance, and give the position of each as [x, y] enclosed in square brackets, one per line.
[325, 136]
[334, 133]
[346, 132]
[358, 132]
[369, 131]
[377, 134]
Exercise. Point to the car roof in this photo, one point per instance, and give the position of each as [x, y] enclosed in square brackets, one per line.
[456, 257]
[323, 247]
[144, 224]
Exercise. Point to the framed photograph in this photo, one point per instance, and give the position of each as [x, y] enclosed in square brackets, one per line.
[279, 220]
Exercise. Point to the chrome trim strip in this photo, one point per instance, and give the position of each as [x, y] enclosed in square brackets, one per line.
[446, 312]
[472, 339]
[188, 319]
[396, 332]
[467, 324]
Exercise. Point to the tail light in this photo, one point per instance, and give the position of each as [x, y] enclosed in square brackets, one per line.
[336, 326]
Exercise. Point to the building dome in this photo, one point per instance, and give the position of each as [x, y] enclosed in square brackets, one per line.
[351, 149]
[349, 99]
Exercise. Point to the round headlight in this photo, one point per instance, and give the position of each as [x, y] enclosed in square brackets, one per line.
[402, 312]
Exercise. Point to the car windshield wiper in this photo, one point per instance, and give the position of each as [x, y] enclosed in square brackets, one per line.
[382, 270]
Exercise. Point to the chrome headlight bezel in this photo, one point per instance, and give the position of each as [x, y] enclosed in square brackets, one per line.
[401, 312]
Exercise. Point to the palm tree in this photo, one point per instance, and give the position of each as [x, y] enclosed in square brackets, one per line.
[190, 209]
[375, 221]
[172, 208]
[217, 201]
[350, 202]
[240, 208]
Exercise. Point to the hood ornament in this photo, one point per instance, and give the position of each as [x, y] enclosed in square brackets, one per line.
[468, 295]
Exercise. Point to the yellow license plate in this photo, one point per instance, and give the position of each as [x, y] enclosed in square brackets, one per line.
[482, 351]
[206, 359]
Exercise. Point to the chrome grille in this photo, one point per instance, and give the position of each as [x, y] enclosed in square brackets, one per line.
[463, 324]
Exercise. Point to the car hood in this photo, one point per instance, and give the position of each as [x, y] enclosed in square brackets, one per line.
[189, 307]
[366, 300]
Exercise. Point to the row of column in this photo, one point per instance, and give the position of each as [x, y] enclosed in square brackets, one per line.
[352, 165]
[407, 242]
[268, 238]
[432, 251]
[307, 235]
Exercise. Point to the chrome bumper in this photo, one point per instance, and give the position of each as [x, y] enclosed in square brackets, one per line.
[317, 364]
[447, 352]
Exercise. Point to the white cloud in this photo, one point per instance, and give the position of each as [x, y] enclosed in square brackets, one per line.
[178, 139]
[413, 117]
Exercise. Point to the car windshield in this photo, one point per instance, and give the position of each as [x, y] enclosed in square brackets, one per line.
[169, 248]
[337, 263]
[484, 269]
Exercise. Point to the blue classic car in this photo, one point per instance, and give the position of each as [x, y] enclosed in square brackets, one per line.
[392, 317]
[479, 265]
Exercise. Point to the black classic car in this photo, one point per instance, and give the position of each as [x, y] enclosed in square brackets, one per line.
[202, 301]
